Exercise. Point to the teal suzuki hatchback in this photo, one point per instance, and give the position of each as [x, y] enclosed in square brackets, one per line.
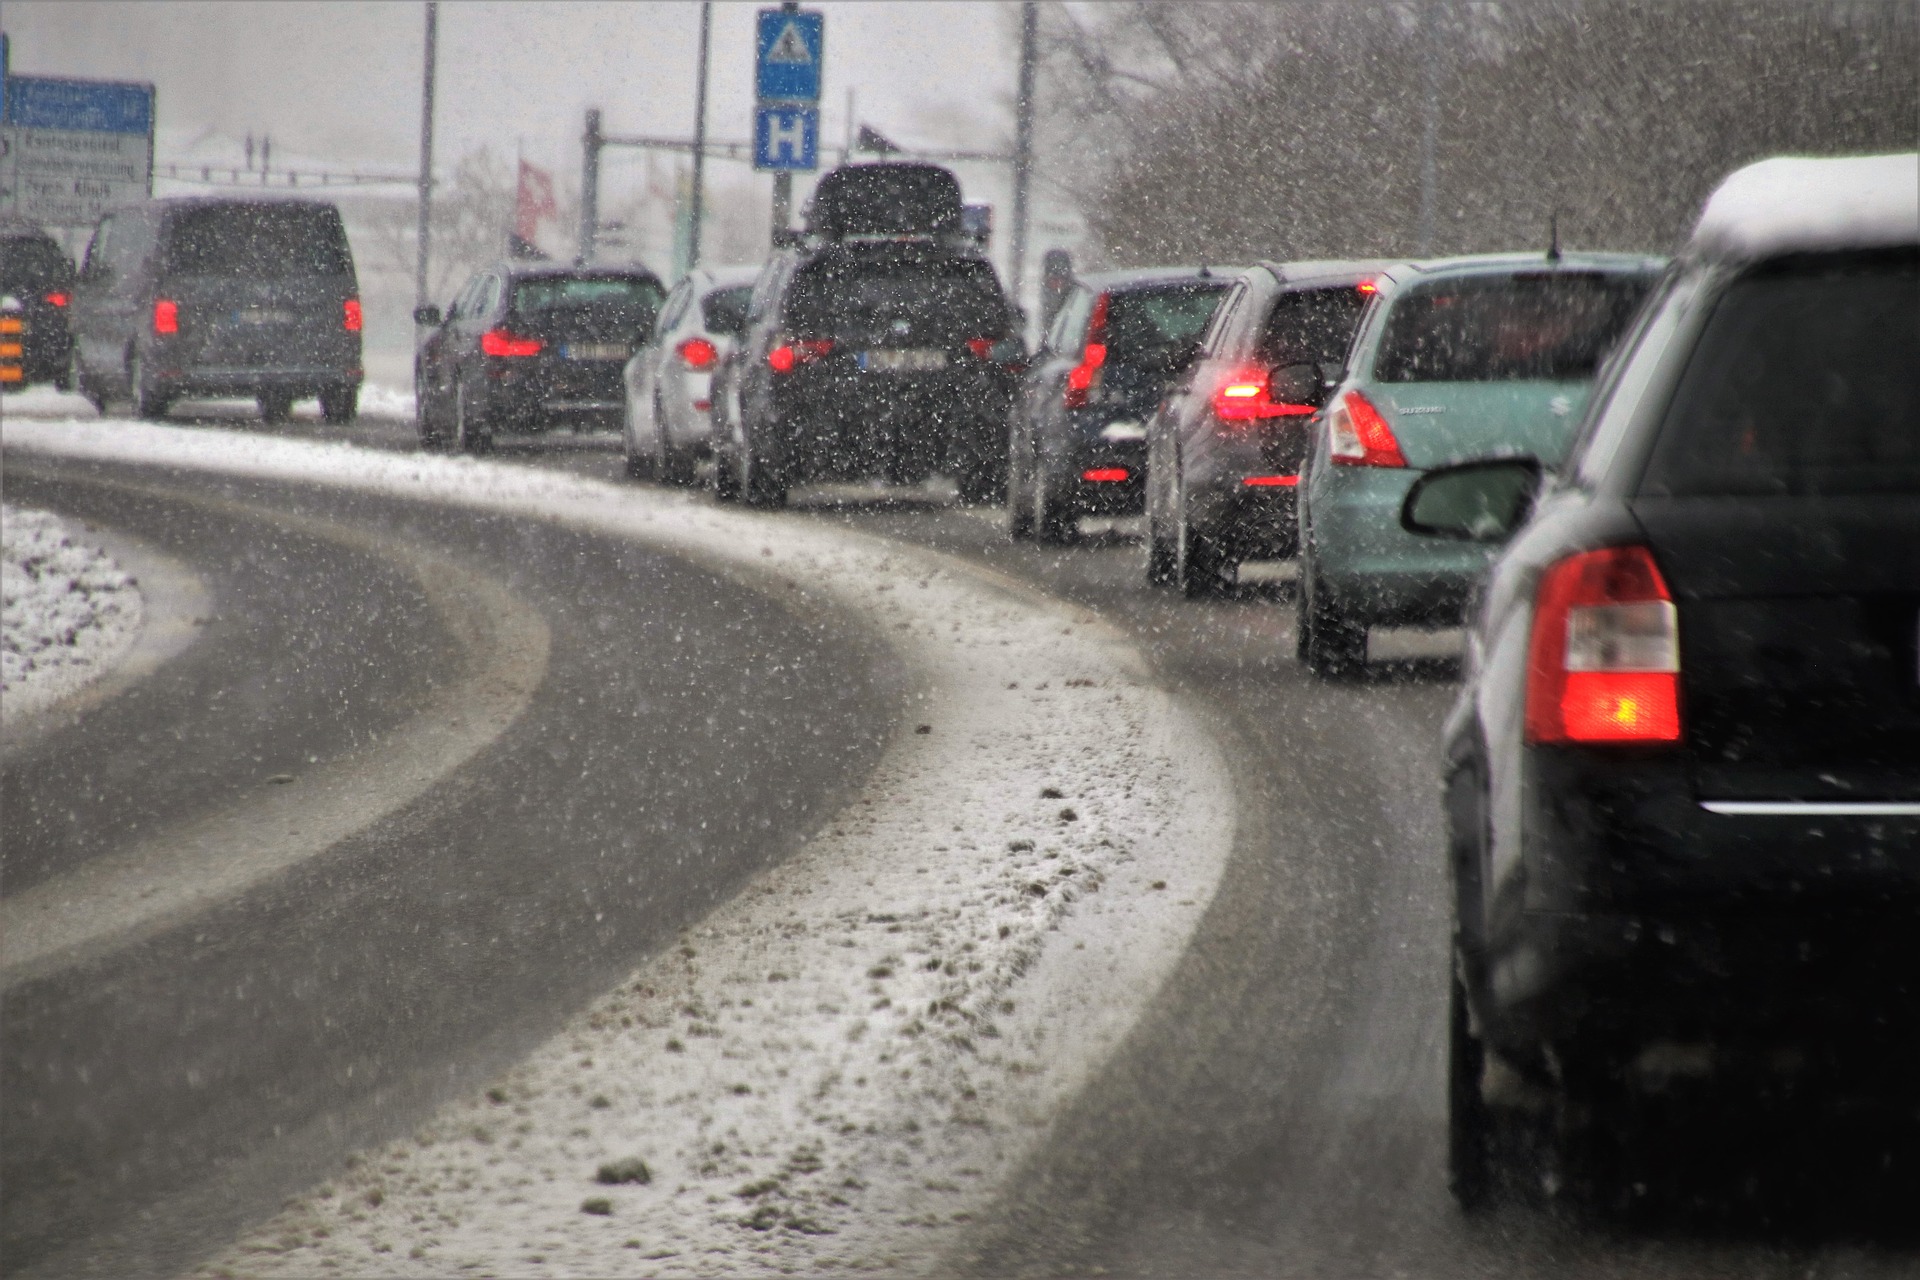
[1455, 359]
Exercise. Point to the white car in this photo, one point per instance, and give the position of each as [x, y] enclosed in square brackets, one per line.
[668, 420]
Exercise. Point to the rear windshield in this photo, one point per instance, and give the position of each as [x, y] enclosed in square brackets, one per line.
[947, 301]
[1545, 326]
[1805, 381]
[1144, 321]
[725, 310]
[636, 297]
[31, 262]
[258, 241]
[1312, 326]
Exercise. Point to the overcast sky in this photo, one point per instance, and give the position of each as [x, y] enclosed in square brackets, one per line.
[342, 80]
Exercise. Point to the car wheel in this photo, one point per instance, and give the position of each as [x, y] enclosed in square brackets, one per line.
[469, 434]
[275, 406]
[340, 405]
[1198, 567]
[1328, 642]
[980, 483]
[149, 404]
[759, 486]
[87, 386]
[726, 475]
[424, 424]
[1054, 522]
[669, 464]
[1469, 1120]
[1019, 499]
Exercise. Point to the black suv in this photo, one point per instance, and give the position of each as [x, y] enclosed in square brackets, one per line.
[1683, 777]
[37, 274]
[879, 345]
[525, 346]
[218, 296]
[1078, 437]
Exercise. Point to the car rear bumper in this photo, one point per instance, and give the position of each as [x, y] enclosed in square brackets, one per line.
[233, 380]
[1375, 571]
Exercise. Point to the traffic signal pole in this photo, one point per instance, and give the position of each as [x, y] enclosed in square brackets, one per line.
[590, 144]
[1023, 142]
[426, 154]
[700, 134]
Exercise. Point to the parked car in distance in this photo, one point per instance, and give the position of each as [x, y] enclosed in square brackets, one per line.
[1683, 774]
[36, 272]
[220, 296]
[529, 345]
[1077, 437]
[1455, 359]
[878, 345]
[668, 422]
[1227, 445]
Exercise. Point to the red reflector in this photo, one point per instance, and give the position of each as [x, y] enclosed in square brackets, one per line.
[1105, 475]
[350, 318]
[1603, 661]
[500, 342]
[1358, 436]
[166, 316]
[697, 353]
[1277, 482]
[702, 406]
[783, 358]
[1083, 377]
[982, 347]
[57, 299]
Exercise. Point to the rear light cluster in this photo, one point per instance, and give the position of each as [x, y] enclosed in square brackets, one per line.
[350, 315]
[166, 316]
[1603, 662]
[1247, 396]
[982, 348]
[785, 357]
[697, 353]
[1358, 434]
[1105, 475]
[504, 342]
[57, 299]
[1083, 380]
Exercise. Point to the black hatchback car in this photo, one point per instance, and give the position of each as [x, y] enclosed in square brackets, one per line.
[1226, 449]
[1683, 777]
[879, 346]
[37, 274]
[526, 346]
[1078, 433]
[219, 296]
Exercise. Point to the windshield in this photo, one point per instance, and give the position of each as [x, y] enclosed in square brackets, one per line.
[257, 241]
[1145, 321]
[625, 295]
[950, 301]
[725, 310]
[1548, 326]
[1806, 381]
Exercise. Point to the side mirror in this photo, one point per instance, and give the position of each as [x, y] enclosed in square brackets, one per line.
[1481, 501]
[1332, 374]
[428, 316]
[1297, 384]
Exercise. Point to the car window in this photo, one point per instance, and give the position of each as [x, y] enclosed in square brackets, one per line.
[1311, 326]
[1223, 317]
[632, 298]
[1626, 380]
[1537, 325]
[675, 306]
[725, 310]
[257, 241]
[1805, 380]
[33, 263]
[944, 299]
[1070, 325]
[1148, 320]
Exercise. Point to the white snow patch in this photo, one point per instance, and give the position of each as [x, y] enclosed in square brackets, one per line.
[834, 1071]
[377, 400]
[69, 613]
[1795, 204]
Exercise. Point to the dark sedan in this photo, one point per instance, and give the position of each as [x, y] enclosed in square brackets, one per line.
[1683, 778]
[528, 346]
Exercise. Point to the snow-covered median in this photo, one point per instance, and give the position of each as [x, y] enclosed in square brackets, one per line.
[836, 1070]
[67, 611]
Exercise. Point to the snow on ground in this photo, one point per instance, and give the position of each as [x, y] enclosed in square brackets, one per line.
[380, 401]
[69, 612]
[836, 1070]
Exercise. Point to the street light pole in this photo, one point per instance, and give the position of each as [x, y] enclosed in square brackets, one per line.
[1023, 141]
[426, 153]
[700, 133]
[589, 185]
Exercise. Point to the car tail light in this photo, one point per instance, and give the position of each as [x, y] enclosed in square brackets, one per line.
[350, 315]
[57, 299]
[1367, 287]
[1084, 378]
[1603, 662]
[1105, 475]
[1247, 396]
[982, 348]
[1358, 436]
[504, 342]
[800, 351]
[697, 353]
[166, 316]
[1270, 482]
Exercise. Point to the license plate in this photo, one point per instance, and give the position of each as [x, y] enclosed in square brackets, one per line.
[906, 360]
[264, 316]
[596, 351]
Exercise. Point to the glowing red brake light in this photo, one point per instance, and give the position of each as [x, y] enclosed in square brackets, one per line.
[1247, 396]
[57, 299]
[503, 342]
[1368, 287]
[697, 353]
[1084, 378]
[166, 316]
[1603, 661]
[1105, 475]
[1358, 436]
[982, 348]
[350, 315]
[784, 357]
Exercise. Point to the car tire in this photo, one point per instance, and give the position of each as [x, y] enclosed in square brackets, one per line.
[87, 387]
[1328, 642]
[726, 476]
[1054, 521]
[1470, 1127]
[759, 486]
[275, 407]
[470, 435]
[424, 425]
[1019, 499]
[340, 405]
[1199, 569]
[980, 483]
[149, 404]
[670, 465]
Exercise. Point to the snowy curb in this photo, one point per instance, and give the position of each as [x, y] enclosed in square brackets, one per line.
[68, 615]
[835, 1070]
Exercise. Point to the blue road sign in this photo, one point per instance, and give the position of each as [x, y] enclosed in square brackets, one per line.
[786, 137]
[81, 106]
[787, 51]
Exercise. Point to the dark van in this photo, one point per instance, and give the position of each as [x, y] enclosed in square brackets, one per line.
[217, 296]
[37, 274]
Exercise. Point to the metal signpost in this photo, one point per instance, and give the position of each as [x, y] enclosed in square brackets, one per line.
[788, 51]
[72, 149]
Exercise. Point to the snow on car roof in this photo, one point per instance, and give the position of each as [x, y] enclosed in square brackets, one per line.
[1798, 204]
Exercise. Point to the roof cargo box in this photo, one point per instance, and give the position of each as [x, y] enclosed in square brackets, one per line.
[889, 199]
